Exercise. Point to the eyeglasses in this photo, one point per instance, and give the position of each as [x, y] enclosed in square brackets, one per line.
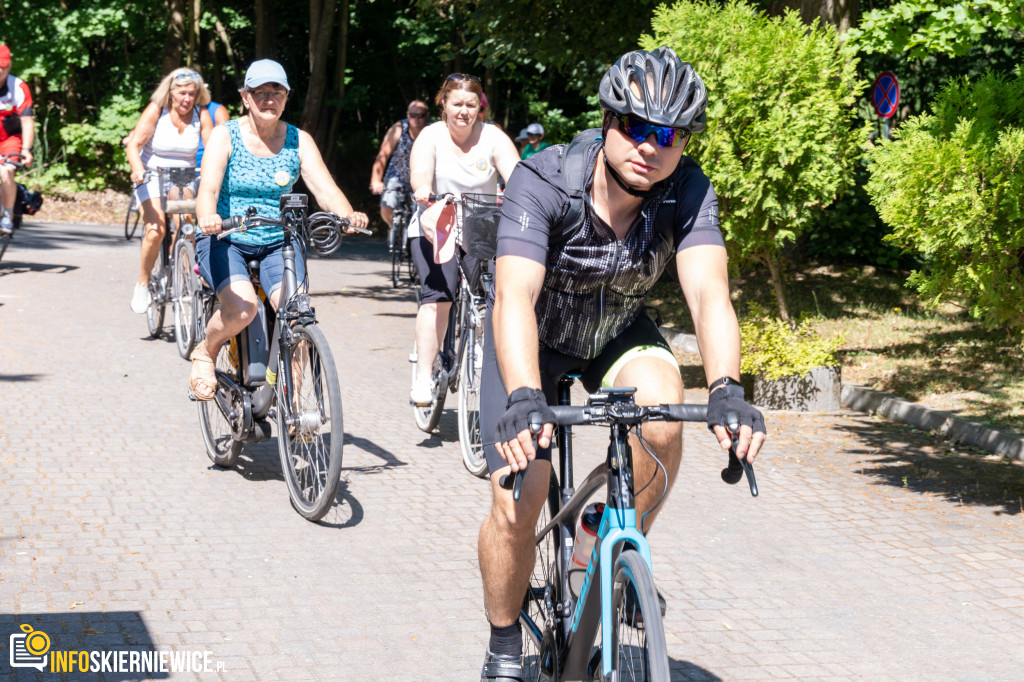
[262, 96]
[640, 130]
[423, 115]
[463, 77]
[186, 76]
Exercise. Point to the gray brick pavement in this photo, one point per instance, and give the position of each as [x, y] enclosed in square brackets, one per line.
[858, 560]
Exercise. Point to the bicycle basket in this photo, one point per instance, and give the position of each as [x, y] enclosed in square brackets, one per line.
[480, 215]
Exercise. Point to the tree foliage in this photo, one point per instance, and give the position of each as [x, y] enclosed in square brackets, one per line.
[780, 140]
[919, 28]
[950, 184]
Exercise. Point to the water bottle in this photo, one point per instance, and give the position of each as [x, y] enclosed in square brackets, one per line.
[583, 546]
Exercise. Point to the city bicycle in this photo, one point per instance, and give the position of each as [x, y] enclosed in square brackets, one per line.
[457, 367]
[398, 240]
[280, 369]
[605, 624]
[171, 275]
[25, 203]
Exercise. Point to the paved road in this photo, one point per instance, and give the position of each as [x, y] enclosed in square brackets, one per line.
[868, 555]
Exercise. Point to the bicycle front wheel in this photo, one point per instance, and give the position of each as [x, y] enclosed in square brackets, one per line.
[157, 287]
[131, 219]
[638, 639]
[470, 441]
[310, 431]
[186, 286]
[540, 649]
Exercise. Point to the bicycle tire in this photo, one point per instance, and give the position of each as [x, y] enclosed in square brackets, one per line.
[221, 446]
[395, 246]
[428, 416]
[540, 649]
[186, 286]
[470, 442]
[638, 637]
[155, 311]
[131, 219]
[309, 421]
[6, 240]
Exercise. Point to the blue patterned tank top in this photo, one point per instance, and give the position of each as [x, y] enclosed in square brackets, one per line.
[398, 166]
[251, 180]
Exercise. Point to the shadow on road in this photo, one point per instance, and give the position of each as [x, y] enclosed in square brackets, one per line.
[20, 377]
[77, 631]
[684, 670]
[899, 456]
[14, 267]
[45, 236]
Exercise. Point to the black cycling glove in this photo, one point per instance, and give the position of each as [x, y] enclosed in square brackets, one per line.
[728, 399]
[521, 404]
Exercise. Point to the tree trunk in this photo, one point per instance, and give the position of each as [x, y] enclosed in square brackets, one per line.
[321, 26]
[214, 78]
[840, 13]
[222, 33]
[777, 284]
[193, 34]
[339, 85]
[264, 28]
[175, 36]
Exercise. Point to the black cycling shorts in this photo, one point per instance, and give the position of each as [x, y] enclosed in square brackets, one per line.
[643, 332]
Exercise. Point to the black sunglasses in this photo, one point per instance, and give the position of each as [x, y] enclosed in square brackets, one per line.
[463, 77]
[417, 115]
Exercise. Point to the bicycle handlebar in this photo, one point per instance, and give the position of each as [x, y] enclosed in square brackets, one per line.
[6, 158]
[622, 412]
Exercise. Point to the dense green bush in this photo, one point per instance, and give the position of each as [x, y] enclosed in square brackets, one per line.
[950, 184]
[774, 349]
[781, 140]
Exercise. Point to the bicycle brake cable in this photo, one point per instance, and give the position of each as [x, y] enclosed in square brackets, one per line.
[649, 449]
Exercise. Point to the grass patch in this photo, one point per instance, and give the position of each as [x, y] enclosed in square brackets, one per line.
[941, 358]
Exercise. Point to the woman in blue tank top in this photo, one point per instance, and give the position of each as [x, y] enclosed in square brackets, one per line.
[252, 161]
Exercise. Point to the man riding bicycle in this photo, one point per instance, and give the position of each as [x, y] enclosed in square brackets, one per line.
[569, 298]
[17, 133]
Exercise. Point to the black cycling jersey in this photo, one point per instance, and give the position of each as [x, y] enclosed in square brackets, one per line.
[595, 284]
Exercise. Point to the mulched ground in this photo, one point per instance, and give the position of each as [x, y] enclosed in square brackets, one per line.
[102, 208]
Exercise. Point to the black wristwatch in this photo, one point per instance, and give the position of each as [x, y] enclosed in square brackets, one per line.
[724, 381]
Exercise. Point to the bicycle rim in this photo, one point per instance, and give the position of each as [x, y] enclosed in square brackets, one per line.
[638, 640]
[221, 447]
[157, 284]
[309, 421]
[540, 649]
[185, 286]
[470, 441]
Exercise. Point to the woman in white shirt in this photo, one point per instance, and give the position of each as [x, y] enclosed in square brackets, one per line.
[460, 153]
[166, 136]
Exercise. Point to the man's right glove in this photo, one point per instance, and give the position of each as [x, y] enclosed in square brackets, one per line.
[729, 398]
[522, 402]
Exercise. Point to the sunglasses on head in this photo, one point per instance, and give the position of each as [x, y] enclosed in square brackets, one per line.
[186, 76]
[463, 77]
[639, 130]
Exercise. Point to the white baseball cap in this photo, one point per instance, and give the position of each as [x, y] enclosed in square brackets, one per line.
[535, 129]
[264, 71]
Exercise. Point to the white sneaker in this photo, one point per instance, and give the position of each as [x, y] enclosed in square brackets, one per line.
[422, 392]
[140, 298]
[6, 224]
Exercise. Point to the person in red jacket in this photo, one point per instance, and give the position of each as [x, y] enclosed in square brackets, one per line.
[17, 133]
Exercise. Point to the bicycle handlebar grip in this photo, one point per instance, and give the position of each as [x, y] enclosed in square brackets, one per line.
[232, 223]
[686, 412]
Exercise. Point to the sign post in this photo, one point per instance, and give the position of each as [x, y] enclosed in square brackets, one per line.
[885, 97]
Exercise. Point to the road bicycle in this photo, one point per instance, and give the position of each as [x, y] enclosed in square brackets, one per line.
[172, 275]
[280, 369]
[398, 240]
[616, 597]
[457, 367]
[25, 202]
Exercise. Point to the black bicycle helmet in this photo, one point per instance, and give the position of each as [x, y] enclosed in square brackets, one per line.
[670, 91]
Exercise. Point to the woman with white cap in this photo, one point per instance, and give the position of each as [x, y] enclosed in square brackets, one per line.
[252, 161]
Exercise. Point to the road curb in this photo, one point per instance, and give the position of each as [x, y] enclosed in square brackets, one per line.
[943, 424]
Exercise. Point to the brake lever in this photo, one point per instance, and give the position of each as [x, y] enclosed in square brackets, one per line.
[514, 481]
[737, 467]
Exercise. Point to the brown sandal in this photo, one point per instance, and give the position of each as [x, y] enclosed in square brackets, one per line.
[199, 387]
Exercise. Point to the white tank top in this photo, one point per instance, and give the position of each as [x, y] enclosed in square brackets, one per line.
[474, 172]
[170, 149]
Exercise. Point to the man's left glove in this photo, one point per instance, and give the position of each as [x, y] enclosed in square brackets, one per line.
[521, 404]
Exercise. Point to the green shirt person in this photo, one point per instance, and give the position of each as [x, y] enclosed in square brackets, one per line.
[535, 140]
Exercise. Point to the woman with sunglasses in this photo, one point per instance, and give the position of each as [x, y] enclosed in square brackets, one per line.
[460, 153]
[569, 298]
[391, 182]
[167, 136]
[251, 162]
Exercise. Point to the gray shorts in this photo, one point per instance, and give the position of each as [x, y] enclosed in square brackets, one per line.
[394, 188]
